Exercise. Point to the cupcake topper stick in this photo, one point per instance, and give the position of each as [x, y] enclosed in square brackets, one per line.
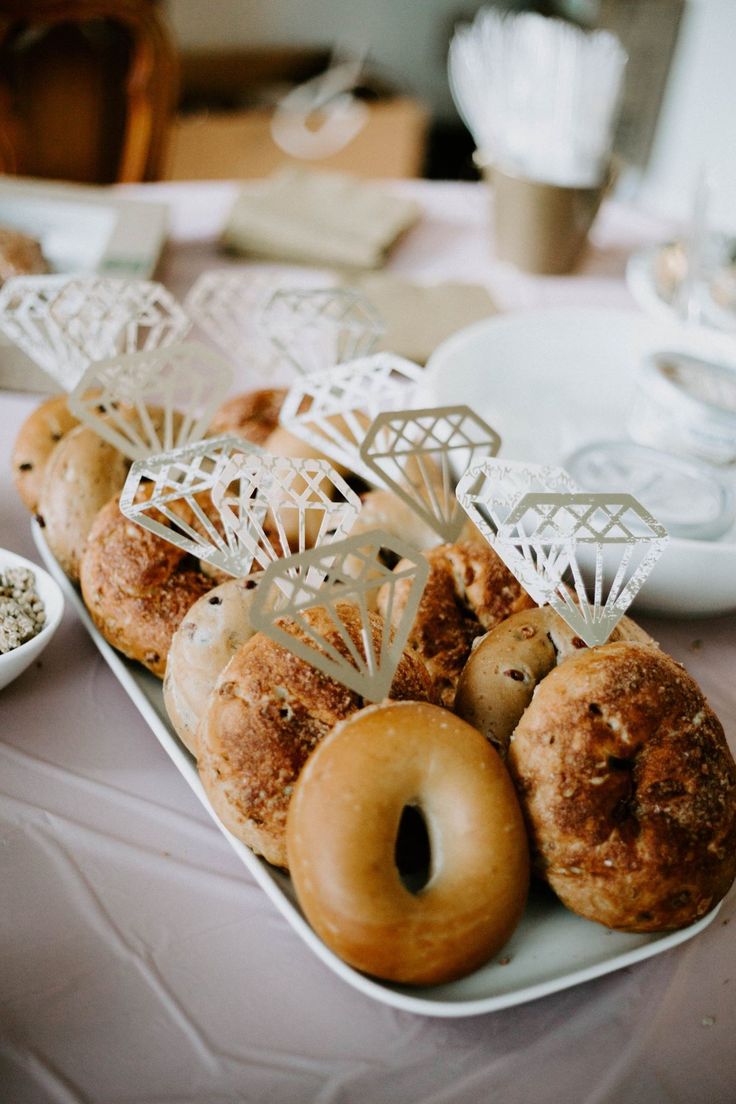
[65, 323]
[550, 535]
[152, 402]
[333, 409]
[417, 453]
[233, 506]
[327, 578]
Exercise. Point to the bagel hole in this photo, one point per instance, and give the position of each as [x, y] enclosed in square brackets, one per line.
[412, 852]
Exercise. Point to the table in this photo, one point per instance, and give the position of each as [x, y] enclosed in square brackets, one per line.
[139, 962]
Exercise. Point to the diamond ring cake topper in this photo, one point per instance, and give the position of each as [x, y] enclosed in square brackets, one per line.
[65, 323]
[315, 329]
[152, 402]
[233, 506]
[228, 305]
[321, 578]
[548, 533]
[417, 454]
[333, 409]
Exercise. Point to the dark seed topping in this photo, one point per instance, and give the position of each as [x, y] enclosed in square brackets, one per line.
[25, 467]
[215, 601]
[517, 676]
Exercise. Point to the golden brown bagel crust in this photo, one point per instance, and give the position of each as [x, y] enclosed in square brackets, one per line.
[343, 826]
[37, 438]
[210, 634]
[137, 586]
[505, 666]
[268, 710]
[469, 590]
[628, 788]
[252, 415]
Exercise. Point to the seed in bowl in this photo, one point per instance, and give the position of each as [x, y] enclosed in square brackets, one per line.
[22, 614]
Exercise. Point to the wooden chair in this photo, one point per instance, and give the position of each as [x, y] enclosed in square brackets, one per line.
[88, 89]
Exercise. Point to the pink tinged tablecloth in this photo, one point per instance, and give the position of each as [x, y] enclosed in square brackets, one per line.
[139, 962]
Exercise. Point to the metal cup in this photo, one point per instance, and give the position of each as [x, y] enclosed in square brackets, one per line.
[541, 228]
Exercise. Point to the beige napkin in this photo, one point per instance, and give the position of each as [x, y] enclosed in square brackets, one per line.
[418, 317]
[318, 218]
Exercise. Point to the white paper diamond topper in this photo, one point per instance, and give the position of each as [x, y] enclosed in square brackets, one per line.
[316, 329]
[293, 587]
[418, 453]
[171, 393]
[549, 532]
[65, 323]
[332, 410]
[228, 503]
[228, 305]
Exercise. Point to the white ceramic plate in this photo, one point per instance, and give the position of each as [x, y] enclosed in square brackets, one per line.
[550, 381]
[552, 949]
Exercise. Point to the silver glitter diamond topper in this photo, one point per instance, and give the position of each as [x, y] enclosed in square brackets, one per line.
[65, 323]
[551, 536]
[364, 659]
[319, 328]
[235, 507]
[228, 305]
[418, 453]
[333, 409]
[172, 494]
[152, 402]
[558, 536]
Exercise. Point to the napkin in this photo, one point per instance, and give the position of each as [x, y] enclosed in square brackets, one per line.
[318, 218]
[418, 317]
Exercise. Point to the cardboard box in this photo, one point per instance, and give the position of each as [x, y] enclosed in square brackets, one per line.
[238, 144]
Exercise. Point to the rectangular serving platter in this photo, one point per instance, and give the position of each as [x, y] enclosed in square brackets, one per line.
[551, 950]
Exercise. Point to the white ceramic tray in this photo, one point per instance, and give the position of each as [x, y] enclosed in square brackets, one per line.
[550, 381]
[552, 949]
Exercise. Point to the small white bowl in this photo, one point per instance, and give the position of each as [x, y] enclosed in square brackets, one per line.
[15, 662]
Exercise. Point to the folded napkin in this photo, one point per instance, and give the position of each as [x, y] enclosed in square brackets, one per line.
[418, 317]
[318, 218]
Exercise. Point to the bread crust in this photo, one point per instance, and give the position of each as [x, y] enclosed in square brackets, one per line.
[137, 586]
[268, 711]
[37, 438]
[469, 590]
[629, 789]
[252, 415]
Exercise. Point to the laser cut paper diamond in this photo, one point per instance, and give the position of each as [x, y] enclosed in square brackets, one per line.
[317, 329]
[308, 504]
[230, 504]
[490, 489]
[183, 483]
[290, 588]
[65, 323]
[417, 453]
[229, 307]
[185, 383]
[332, 410]
[546, 532]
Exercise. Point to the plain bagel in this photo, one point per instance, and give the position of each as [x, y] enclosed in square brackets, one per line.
[344, 823]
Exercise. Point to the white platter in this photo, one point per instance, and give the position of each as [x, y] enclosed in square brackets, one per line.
[82, 230]
[551, 950]
[550, 381]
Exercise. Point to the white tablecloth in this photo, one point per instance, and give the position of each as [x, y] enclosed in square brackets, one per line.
[139, 962]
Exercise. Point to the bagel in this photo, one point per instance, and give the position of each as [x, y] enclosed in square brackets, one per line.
[82, 474]
[267, 712]
[505, 666]
[469, 590]
[252, 415]
[344, 833]
[628, 788]
[210, 634]
[37, 438]
[137, 586]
